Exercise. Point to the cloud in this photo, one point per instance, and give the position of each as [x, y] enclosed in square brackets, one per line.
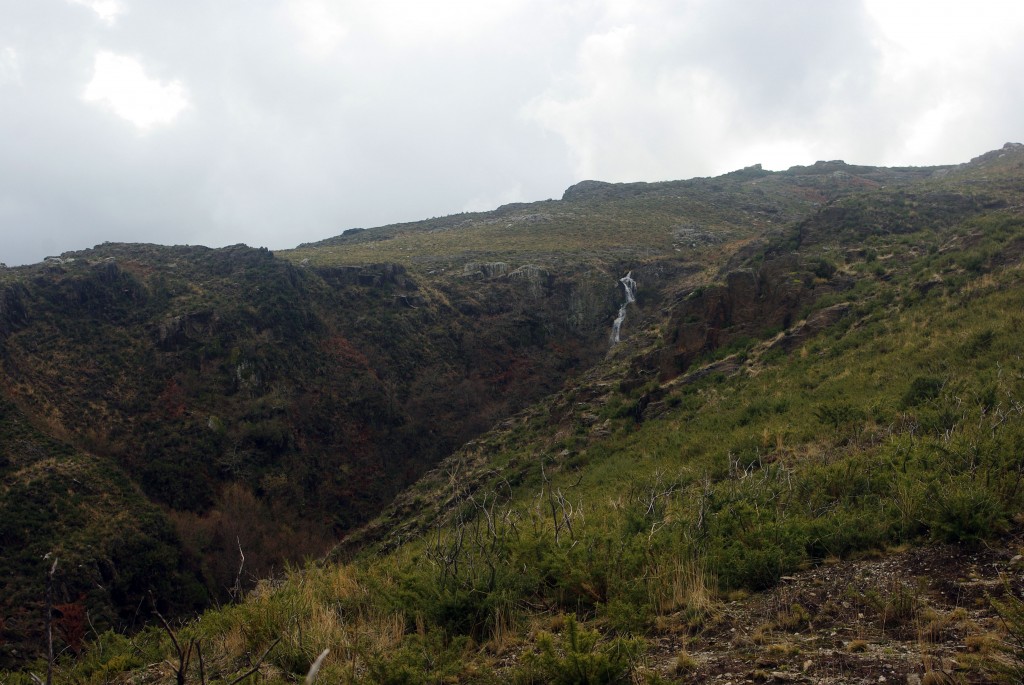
[321, 30]
[120, 83]
[667, 95]
[279, 122]
[10, 70]
[949, 77]
[106, 10]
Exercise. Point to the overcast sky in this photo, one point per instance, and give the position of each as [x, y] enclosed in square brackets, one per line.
[275, 122]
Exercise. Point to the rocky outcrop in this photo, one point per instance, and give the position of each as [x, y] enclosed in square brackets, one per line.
[814, 324]
[750, 303]
[178, 331]
[487, 269]
[537, 280]
[368, 276]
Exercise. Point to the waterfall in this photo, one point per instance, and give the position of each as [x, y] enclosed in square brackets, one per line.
[630, 285]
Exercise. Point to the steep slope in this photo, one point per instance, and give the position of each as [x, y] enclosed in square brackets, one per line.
[111, 546]
[256, 395]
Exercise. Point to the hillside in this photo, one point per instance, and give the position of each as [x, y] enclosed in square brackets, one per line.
[820, 365]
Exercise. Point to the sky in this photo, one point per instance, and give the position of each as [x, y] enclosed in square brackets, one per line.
[277, 122]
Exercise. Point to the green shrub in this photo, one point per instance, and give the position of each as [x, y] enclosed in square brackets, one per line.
[626, 615]
[578, 658]
[824, 269]
[424, 659]
[461, 611]
[964, 511]
[922, 389]
[838, 414]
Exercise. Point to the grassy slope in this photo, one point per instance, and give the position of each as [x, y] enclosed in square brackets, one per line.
[635, 506]
[599, 222]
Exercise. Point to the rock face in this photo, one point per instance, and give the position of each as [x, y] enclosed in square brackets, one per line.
[573, 304]
[585, 189]
[487, 269]
[537, 280]
[177, 332]
[817, 322]
[370, 276]
[749, 303]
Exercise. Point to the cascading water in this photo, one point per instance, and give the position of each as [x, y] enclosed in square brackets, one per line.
[630, 285]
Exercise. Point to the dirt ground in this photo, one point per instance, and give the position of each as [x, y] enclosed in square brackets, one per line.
[919, 616]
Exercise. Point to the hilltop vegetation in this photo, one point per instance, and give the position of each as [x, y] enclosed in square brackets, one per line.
[822, 364]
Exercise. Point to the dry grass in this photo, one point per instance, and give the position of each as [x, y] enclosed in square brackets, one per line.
[763, 634]
[857, 646]
[505, 632]
[685, 663]
[982, 643]
[314, 609]
[683, 585]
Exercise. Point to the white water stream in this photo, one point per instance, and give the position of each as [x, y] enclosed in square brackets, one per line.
[630, 285]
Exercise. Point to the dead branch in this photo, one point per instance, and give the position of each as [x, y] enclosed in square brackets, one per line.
[257, 666]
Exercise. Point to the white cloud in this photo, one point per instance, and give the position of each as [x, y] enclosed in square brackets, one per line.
[107, 10]
[667, 90]
[944, 64]
[410, 23]
[320, 28]
[120, 84]
[623, 128]
[10, 67]
[925, 34]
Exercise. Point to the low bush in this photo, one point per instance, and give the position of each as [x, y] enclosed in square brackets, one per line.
[578, 657]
